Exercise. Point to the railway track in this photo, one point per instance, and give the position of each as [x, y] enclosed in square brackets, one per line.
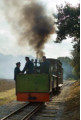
[24, 113]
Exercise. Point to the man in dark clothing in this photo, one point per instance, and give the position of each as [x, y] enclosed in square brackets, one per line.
[17, 70]
[45, 66]
[28, 66]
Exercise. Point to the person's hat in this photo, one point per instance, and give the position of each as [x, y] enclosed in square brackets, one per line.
[18, 63]
[44, 56]
[27, 58]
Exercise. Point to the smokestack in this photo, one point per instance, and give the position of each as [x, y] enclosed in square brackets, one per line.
[30, 22]
[37, 55]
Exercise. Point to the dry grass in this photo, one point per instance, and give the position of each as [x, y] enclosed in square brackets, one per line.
[7, 91]
[6, 85]
[7, 96]
[72, 103]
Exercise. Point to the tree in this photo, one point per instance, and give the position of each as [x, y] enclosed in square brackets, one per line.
[68, 25]
[76, 59]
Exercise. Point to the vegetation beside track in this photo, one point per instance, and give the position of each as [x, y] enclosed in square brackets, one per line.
[72, 103]
[6, 85]
[7, 91]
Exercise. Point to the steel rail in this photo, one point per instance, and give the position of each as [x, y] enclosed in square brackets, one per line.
[4, 118]
[30, 114]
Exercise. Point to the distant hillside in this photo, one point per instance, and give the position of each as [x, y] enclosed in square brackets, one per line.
[67, 68]
[7, 65]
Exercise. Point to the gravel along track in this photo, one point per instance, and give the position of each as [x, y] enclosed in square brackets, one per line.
[24, 113]
[10, 107]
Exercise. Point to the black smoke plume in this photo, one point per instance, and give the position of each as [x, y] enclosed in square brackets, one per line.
[30, 22]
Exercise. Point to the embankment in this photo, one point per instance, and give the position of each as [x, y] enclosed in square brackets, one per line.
[72, 102]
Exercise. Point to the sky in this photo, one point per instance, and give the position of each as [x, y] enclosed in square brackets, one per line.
[8, 41]
[10, 52]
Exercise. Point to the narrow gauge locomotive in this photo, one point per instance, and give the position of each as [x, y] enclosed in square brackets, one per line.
[37, 87]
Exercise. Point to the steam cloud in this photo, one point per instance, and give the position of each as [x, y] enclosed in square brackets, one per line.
[30, 22]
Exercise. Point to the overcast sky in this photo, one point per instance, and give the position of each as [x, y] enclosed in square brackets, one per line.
[8, 42]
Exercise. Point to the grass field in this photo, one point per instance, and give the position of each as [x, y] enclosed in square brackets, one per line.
[6, 85]
[72, 103]
[7, 91]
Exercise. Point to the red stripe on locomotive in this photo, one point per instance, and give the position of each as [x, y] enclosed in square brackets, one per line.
[33, 97]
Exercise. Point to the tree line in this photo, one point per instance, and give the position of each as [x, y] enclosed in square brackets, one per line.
[68, 26]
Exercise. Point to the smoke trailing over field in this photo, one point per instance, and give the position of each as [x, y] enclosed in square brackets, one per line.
[30, 22]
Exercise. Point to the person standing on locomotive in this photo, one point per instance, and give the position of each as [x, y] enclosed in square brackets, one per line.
[28, 66]
[45, 66]
[17, 70]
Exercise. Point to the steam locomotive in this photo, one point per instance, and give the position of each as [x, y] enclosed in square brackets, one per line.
[37, 87]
